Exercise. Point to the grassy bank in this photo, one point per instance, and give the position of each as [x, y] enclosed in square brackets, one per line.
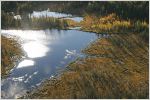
[116, 67]
[10, 53]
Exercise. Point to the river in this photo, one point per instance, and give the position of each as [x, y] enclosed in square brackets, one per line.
[47, 53]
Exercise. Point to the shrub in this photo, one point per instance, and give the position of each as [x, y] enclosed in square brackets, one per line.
[109, 23]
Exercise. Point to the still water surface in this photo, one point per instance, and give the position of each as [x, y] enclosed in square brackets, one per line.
[47, 51]
[47, 13]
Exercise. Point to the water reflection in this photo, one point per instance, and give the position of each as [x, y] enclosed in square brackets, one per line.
[25, 63]
[47, 13]
[47, 51]
[69, 53]
[14, 90]
[35, 49]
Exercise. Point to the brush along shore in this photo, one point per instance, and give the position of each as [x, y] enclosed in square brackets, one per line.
[11, 53]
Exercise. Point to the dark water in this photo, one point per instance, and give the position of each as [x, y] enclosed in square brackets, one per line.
[47, 51]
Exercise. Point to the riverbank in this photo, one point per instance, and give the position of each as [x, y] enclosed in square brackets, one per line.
[116, 67]
[11, 53]
[113, 24]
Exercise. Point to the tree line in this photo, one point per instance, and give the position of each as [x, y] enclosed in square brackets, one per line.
[128, 10]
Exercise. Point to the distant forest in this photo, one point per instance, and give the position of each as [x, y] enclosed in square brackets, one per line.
[134, 10]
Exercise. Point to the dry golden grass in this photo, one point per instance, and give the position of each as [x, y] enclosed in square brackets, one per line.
[71, 23]
[11, 52]
[111, 23]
